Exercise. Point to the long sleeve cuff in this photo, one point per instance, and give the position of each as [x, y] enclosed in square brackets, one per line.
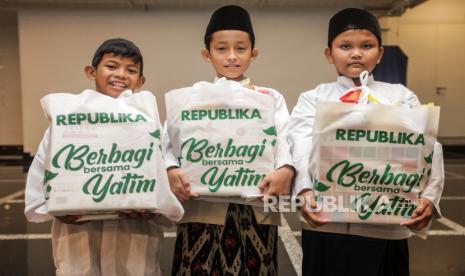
[283, 154]
[37, 212]
[171, 163]
[302, 181]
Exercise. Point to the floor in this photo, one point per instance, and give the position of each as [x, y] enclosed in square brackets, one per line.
[25, 248]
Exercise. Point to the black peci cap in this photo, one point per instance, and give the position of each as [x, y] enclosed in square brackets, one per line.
[230, 18]
[351, 19]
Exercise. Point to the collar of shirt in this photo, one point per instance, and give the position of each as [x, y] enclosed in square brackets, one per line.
[246, 82]
[349, 83]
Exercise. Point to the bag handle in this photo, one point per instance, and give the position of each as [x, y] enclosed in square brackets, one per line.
[364, 78]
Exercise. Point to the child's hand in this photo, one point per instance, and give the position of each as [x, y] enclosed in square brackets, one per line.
[137, 214]
[277, 183]
[313, 217]
[179, 184]
[70, 219]
[421, 216]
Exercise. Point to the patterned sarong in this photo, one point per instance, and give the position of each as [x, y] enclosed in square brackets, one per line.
[239, 247]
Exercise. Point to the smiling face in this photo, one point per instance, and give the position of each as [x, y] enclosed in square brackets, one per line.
[353, 52]
[230, 53]
[115, 74]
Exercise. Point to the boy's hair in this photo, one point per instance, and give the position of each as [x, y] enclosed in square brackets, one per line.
[229, 18]
[353, 19]
[119, 47]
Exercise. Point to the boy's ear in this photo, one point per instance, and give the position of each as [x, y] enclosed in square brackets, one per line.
[90, 72]
[255, 52]
[206, 55]
[141, 82]
[328, 56]
[381, 53]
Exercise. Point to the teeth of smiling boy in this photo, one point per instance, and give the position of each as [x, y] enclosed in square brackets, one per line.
[118, 84]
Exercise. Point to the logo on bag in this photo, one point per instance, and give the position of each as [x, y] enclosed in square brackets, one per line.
[380, 136]
[98, 118]
[220, 114]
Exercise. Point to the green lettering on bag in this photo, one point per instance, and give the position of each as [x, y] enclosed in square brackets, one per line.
[241, 177]
[131, 183]
[74, 158]
[380, 136]
[97, 118]
[347, 175]
[196, 150]
[220, 114]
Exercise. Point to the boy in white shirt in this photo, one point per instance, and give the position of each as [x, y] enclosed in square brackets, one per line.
[103, 247]
[214, 238]
[354, 45]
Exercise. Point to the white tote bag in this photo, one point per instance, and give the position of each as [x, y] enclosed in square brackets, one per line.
[371, 162]
[224, 136]
[105, 155]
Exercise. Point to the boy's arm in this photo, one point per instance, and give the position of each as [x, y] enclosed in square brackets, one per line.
[433, 189]
[167, 148]
[35, 208]
[410, 99]
[283, 151]
[300, 138]
[35, 203]
[430, 197]
[278, 182]
[428, 205]
[179, 182]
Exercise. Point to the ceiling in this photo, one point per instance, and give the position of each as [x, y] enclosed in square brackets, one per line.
[381, 7]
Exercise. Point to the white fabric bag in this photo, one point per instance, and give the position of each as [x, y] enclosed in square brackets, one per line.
[104, 155]
[370, 162]
[224, 135]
